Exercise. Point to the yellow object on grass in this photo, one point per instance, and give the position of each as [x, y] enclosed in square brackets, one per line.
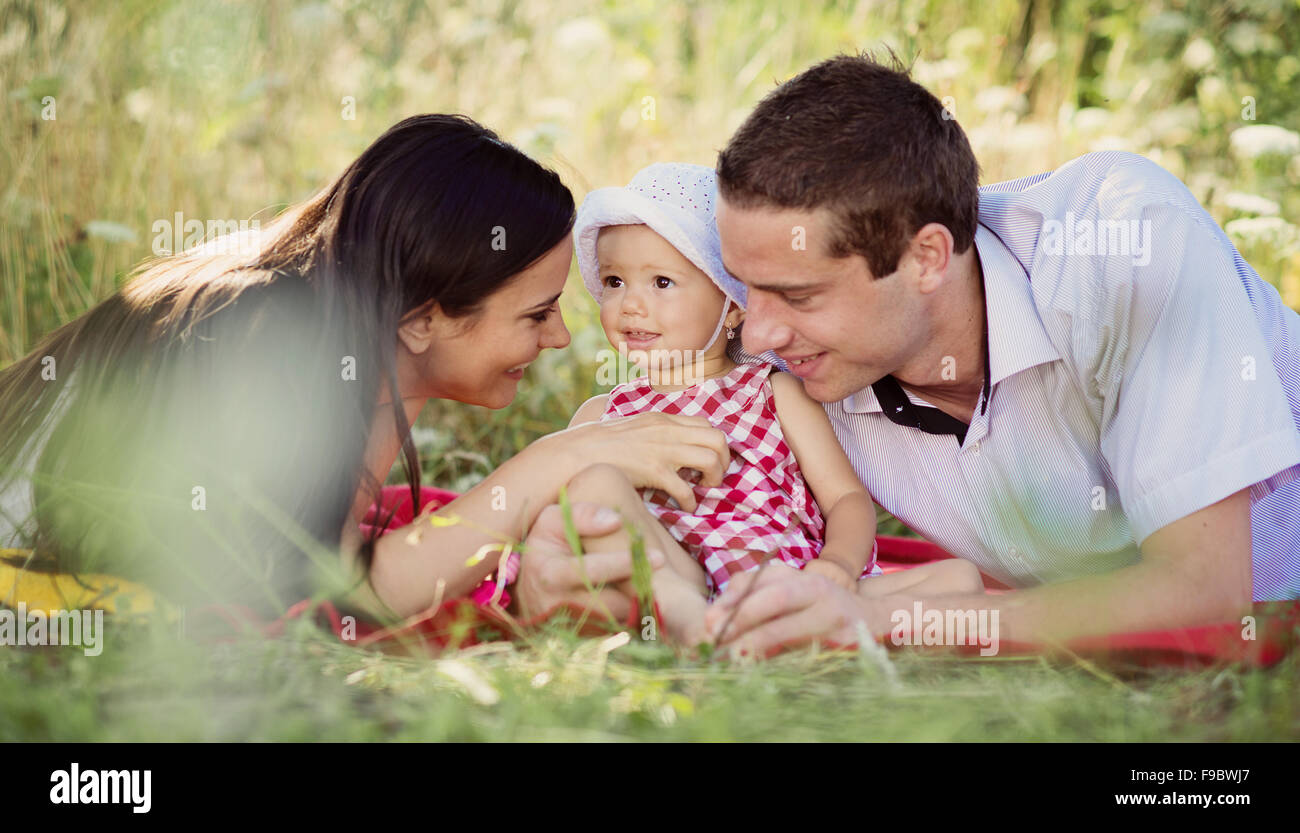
[68, 591]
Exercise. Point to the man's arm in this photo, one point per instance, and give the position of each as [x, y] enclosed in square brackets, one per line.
[1195, 571]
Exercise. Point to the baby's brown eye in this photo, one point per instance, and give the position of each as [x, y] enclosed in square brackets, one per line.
[613, 281]
[662, 282]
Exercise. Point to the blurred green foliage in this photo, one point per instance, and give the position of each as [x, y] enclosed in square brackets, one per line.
[222, 109]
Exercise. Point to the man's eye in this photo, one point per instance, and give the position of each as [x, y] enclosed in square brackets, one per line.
[797, 302]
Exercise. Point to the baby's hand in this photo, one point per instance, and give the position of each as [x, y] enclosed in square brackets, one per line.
[832, 571]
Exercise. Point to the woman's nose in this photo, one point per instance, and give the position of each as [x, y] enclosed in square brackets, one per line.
[555, 333]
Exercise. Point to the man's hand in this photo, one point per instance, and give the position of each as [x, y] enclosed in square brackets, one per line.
[778, 607]
[550, 575]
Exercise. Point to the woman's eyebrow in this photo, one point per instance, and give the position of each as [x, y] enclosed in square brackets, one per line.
[544, 304]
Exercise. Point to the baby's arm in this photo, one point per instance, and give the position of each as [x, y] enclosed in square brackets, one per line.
[848, 510]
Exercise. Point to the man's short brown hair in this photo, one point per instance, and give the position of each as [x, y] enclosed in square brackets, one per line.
[862, 139]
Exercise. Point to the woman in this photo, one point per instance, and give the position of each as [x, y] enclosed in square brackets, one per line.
[217, 426]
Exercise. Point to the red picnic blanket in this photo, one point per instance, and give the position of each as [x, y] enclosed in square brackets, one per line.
[462, 622]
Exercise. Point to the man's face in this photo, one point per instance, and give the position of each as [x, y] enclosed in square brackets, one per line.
[837, 328]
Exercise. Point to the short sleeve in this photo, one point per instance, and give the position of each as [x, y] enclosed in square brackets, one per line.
[1194, 409]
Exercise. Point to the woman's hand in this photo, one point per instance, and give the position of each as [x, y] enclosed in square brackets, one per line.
[650, 449]
[780, 607]
[550, 575]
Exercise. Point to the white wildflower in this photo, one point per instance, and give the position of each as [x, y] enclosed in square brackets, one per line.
[1258, 140]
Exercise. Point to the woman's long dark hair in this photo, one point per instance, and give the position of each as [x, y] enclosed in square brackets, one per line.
[204, 428]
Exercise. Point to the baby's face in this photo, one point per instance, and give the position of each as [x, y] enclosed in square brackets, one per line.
[654, 298]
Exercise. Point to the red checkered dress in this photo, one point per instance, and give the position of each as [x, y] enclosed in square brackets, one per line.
[763, 504]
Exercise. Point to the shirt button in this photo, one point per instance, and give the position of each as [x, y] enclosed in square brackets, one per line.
[976, 447]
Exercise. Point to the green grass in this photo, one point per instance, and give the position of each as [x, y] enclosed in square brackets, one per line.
[230, 110]
[306, 687]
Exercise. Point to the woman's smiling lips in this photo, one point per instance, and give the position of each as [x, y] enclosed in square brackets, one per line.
[517, 373]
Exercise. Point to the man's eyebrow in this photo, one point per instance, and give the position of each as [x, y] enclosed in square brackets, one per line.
[786, 288]
[790, 288]
[544, 304]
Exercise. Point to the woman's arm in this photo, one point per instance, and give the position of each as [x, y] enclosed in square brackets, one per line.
[846, 506]
[410, 563]
[649, 448]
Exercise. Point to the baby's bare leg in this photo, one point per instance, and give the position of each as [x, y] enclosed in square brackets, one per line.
[680, 586]
[938, 578]
[606, 485]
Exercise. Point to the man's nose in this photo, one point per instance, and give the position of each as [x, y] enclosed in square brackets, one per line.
[763, 331]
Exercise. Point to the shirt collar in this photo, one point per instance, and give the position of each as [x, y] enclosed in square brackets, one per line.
[1017, 339]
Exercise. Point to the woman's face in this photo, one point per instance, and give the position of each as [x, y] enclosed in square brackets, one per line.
[480, 359]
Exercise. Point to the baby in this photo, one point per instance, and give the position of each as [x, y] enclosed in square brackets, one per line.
[650, 256]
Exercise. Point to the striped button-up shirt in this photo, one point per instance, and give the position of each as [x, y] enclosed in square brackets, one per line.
[1140, 371]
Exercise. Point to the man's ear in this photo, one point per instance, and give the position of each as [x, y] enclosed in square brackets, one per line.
[419, 328]
[931, 251]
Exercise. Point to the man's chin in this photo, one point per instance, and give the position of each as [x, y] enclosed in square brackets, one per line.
[833, 389]
[824, 391]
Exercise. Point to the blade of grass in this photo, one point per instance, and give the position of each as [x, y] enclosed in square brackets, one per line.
[642, 573]
[575, 545]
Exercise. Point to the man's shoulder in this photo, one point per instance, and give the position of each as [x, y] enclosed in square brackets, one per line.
[1083, 231]
[1084, 236]
[1104, 183]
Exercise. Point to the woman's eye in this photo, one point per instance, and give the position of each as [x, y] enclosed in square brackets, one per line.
[541, 317]
[663, 283]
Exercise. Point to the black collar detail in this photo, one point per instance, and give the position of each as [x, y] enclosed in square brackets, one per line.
[902, 411]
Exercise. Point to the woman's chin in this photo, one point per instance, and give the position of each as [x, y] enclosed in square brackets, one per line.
[494, 398]
[500, 397]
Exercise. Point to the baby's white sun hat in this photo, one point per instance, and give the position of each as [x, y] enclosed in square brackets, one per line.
[677, 201]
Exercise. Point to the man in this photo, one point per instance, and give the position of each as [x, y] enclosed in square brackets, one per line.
[1072, 380]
